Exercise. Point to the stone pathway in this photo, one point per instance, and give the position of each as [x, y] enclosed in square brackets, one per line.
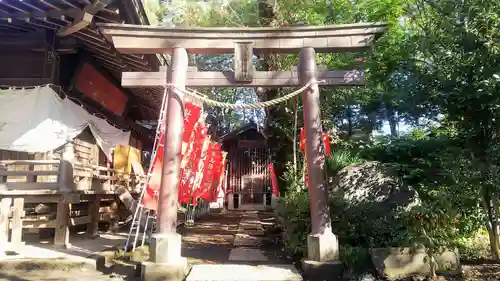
[248, 257]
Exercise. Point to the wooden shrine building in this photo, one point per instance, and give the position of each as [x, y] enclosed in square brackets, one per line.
[57, 44]
[248, 181]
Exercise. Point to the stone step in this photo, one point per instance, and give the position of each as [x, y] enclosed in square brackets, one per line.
[241, 272]
[247, 254]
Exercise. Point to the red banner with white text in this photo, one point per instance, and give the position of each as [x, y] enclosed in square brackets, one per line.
[192, 114]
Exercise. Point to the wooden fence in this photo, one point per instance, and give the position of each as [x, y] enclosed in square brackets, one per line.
[35, 196]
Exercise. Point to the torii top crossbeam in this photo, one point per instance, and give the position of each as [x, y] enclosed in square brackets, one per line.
[137, 39]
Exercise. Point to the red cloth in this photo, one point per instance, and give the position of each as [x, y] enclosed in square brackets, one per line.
[207, 178]
[216, 173]
[274, 181]
[192, 115]
[326, 141]
[302, 139]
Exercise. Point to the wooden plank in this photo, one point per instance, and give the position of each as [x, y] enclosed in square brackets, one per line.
[61, 238]
[79, 220]
[94, 209]
[29, 162]
[29, 173]
[17, 223]
[4, 222]
[40, 224]
[25, 186]
[78, 24]
[202, 79]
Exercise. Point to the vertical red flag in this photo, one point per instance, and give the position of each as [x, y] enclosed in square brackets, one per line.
[207, 175]
[197, 177]
[326, 142]
[274, 181]
[302, 139]
[192, 114]
[217, 170]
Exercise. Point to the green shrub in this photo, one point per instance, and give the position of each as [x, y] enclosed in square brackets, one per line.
[474, 248]
[355, 259]
[339, 160]
[294, 210]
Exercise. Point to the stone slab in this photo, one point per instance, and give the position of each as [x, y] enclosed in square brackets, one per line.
[246, 254]
[324, 271]
[233, 272]
[244, 240]
[151, 271]
[395, 263]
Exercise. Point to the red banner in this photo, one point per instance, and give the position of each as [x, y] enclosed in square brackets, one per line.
[216, 173]
[326, 142]
[192, 114]
[208, 171]
[274, 181]
[197, 175]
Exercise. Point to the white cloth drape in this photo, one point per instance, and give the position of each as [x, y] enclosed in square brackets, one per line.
[38, 120]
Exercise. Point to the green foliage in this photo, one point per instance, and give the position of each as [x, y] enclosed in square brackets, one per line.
[355, 259]
[340, 159]
[294, 210]
[474, 248]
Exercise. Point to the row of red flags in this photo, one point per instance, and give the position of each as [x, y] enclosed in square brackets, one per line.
[202, 163]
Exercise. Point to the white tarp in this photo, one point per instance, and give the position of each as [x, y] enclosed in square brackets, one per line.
[38, 120]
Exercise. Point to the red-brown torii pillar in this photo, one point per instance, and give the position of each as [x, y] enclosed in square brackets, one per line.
[322, 261]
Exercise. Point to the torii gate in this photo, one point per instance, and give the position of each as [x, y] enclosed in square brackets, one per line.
[131, 39]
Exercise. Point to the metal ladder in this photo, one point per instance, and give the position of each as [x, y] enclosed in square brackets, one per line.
[140, 211]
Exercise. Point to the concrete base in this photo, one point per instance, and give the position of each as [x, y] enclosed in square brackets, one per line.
[165, 248]
[177, 271]
[323, 247]
[325, 271]
[241, 272]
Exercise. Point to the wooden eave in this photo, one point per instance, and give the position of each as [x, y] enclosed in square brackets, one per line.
[26, 20]
[137, 39]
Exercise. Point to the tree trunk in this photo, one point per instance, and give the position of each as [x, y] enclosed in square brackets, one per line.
[391, 118]
[492, 223]
[349, 120]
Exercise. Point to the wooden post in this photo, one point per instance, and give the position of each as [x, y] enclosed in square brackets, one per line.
[3, 179]
[93, 225]
[115, 215]
[66, 167]
[17, 223]
[4, 223]
[61, 238]
[174, 126]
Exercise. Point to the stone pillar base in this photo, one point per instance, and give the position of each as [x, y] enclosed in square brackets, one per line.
[177, 271]
[322, 262]
[165, 262]
[165, 248]
[325, 271]
[323, 247]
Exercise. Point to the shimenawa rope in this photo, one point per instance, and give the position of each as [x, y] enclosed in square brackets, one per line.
[199, 96]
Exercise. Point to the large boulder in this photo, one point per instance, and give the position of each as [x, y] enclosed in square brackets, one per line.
[375, 184]
[368, 199]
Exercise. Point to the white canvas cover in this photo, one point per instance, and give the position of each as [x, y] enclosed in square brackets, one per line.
[38, 120]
